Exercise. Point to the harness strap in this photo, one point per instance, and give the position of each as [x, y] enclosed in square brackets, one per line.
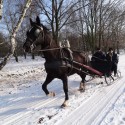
[88, 68]
[63, 58]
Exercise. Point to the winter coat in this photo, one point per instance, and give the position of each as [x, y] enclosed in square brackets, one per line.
[98, 56]
[112, 58]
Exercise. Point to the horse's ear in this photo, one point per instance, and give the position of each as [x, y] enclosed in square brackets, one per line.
[38, 20]
[31, 22]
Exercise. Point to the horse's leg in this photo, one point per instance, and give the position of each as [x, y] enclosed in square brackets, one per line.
[49, 78]
[82, 83]
[65, 88]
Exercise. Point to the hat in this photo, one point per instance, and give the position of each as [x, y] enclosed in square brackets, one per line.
[110, 49]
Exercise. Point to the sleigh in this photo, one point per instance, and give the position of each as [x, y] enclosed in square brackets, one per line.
[97, 69]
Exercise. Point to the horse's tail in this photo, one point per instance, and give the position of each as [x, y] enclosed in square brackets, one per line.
[88, 61]
[85, 58]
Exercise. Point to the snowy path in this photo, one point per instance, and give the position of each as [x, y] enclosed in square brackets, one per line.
[89, 112]
[23, 102]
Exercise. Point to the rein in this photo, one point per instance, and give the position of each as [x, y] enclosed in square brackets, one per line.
[33, 45]
[49, 49]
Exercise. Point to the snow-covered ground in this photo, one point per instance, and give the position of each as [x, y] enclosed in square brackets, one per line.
[22, 101]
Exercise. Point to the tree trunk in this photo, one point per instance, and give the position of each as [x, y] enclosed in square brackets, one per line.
[13, 35]
[15, 55]
[1, 6]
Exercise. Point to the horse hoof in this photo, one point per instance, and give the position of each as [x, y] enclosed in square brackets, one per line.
[101, 83]
[63, 105]
[52, 94]
[81, 90]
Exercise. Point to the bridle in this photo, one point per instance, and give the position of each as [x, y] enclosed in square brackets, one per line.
[33, 45]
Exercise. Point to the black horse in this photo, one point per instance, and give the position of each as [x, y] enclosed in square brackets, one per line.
[55, 65]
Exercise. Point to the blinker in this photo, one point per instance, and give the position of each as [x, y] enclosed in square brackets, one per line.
[37, 32]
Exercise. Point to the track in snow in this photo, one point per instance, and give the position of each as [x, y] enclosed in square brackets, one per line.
[94, 110]
[33, 107]
[87, 106]
[22, 108]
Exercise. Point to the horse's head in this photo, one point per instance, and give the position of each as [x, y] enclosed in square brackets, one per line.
[35, 36]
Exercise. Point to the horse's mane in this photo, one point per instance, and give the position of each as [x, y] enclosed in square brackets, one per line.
[45, 28]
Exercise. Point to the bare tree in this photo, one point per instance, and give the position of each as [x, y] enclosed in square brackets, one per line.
[96, 21]
[1, 7]
[13, 35]
[32, 12]
[111, 18]
[57, 13]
